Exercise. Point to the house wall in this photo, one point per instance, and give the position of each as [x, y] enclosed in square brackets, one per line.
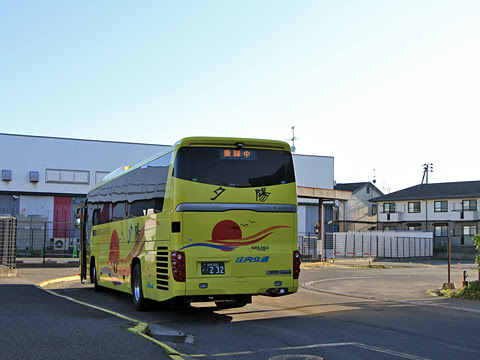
[357, 214]
[454, 221]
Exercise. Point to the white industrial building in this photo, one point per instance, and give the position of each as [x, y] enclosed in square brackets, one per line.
[46, 177]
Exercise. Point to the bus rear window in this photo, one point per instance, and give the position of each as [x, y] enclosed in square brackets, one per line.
[234, 167]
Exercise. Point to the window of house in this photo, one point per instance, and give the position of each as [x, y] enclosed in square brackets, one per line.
[441, 230]
[469, 205]
[368, 189]
[469, 230]
[389, 228]
[389, 208]
[414, 207]
[441, 206]
[414, 227]
[374, 209]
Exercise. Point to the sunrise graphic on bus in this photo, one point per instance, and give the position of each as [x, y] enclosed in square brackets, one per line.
[227, 236]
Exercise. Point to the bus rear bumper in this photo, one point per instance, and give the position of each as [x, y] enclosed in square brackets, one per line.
[245, 285]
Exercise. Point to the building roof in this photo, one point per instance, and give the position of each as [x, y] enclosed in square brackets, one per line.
[354, 187]
[351, 186]
[453, 190]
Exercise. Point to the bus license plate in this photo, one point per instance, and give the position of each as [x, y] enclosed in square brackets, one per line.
[213, 268]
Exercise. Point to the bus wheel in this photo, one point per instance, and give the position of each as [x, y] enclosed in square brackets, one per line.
[96, 287]
[137, 292]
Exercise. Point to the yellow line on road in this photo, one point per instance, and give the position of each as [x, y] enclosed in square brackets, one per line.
[141, 326]
[138, 329]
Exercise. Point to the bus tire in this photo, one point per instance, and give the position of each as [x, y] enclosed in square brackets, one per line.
[139, 301]
[96, 287]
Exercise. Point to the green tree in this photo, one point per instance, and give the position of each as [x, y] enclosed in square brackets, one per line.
[476, 241]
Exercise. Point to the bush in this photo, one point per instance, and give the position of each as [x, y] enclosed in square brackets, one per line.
[476, 241]
[470, 292]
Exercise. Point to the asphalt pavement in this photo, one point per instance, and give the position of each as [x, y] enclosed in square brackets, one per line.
[54, 327]
[35, 324]
[387, 280]
[408, 282]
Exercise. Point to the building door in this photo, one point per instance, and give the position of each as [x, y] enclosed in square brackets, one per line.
[62, 213]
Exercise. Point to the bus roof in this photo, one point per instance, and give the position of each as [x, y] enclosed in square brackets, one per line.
[199, 141]
[233, 142]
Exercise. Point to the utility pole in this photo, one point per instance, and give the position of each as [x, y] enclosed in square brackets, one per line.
[426, 169]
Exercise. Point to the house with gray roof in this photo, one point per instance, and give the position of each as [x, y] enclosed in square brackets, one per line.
[357, 213]
[446, 209]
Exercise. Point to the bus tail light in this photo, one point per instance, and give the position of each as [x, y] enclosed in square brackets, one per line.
[296, 264]
[178, 265]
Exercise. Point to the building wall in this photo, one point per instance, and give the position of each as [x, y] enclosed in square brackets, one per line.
[307, 216]
[459, 225]
[70, 167]
[37, 205]
[9, 204]
[357, 214]
[64, 166]
[314, 171]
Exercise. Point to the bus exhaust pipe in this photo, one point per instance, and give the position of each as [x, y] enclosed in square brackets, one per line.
[276, 292]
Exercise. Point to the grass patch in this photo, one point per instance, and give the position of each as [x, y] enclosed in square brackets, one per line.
[470, 292]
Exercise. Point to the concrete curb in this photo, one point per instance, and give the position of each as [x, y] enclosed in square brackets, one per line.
[44, 283]
[138, 329]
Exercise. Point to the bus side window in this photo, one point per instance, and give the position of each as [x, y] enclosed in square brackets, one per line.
[96, 217]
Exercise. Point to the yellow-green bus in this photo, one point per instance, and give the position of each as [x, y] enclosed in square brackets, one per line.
[209, 219]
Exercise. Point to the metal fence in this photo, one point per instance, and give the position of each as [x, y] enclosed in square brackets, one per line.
[39, 238]
[381, 245]
[8, 227]
[308, 245]
[365, 245]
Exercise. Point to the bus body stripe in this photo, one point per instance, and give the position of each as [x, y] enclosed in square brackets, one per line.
[208, 207]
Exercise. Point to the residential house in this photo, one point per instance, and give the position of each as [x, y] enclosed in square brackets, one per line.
[358, 213]
[449, 210]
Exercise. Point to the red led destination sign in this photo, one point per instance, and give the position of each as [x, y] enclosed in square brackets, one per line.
[238, 154]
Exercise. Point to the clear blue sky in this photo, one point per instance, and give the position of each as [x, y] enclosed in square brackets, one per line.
[384, 85]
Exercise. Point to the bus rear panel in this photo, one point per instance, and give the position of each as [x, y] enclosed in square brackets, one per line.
[211, 219]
